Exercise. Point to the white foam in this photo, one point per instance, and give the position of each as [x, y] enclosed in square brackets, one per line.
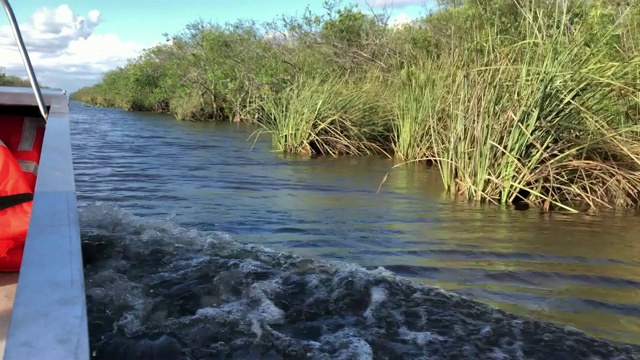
[270, 313]
[351, 346]
[361, 349]
[497, 354]
[268, 287]
[378, 295]
[486, 331]
[420, 338]
[255, 326]
[382, 272]
[232, 310]
[313, 281]
[129, 322]
[247, 265]
[233, 305]
[570, 329]
[107, 219]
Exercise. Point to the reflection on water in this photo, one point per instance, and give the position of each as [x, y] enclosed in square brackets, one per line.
[574, 269]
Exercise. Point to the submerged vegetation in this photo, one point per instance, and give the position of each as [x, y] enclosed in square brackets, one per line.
[534, 101]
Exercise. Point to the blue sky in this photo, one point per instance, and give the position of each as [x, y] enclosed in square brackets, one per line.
[73, 42]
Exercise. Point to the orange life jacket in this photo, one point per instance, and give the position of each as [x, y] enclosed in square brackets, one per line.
[23, 136]
[20, 145]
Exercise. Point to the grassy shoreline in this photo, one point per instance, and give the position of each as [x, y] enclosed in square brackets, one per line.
[514, 101]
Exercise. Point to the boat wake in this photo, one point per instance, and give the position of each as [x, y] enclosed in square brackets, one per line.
[156, 290]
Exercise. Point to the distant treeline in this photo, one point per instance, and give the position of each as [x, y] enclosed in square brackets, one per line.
[514, 101]
[11, 80]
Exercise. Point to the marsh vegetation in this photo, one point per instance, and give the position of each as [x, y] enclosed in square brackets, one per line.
[514, 101]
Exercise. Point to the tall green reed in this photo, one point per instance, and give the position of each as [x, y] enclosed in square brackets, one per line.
[536, 120]
[326, 114]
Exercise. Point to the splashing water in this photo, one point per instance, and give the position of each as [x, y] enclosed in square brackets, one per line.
[159, 291]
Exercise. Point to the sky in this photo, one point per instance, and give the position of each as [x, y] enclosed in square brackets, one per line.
[72, 43]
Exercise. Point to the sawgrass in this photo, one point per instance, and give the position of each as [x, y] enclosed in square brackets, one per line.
[544, 121]
[326, 114]
[512, 100]
[415, 107]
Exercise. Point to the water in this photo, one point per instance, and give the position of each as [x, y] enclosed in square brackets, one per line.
[166, 273]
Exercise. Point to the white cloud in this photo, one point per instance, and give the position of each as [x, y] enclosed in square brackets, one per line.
[64, 50]
[279, 37]
[396, 4]
[400, 19]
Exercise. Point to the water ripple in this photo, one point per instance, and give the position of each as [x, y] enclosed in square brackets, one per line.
[208, 177]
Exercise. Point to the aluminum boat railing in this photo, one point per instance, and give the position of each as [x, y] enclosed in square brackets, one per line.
[25, 57]
[49, 317]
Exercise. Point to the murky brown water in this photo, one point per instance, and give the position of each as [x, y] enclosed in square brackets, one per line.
[578, 270]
